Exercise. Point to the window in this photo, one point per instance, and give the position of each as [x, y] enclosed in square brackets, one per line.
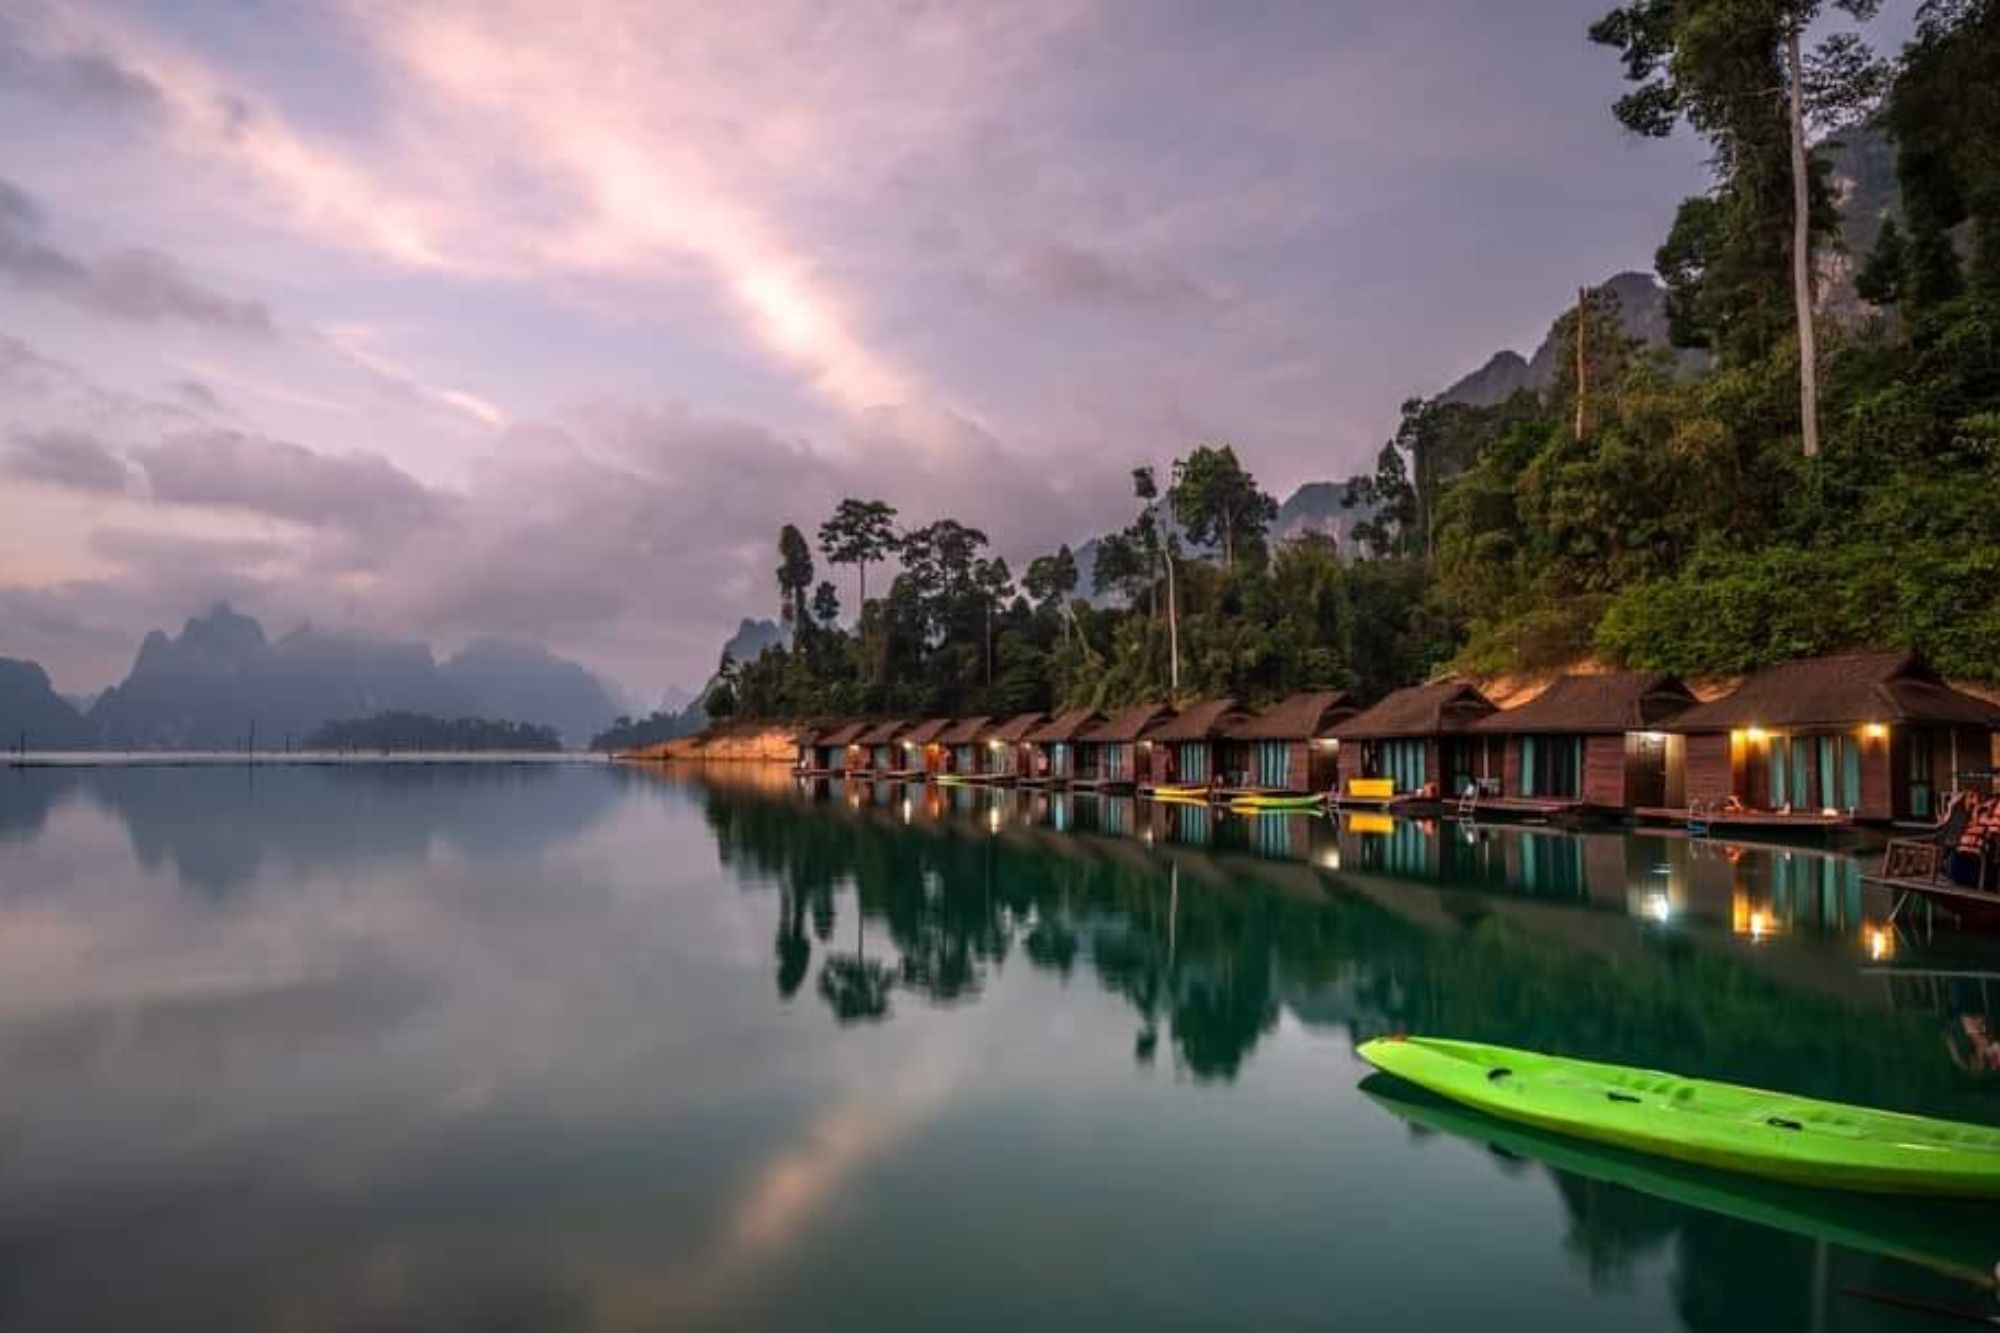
[1405, 763]
[1552, 766]
[1273, 761]
[1193, 761]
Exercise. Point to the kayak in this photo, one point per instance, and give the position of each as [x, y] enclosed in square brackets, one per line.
[1179, 793]
[1721, 1125]
[1945, 1235]
[1277, 803]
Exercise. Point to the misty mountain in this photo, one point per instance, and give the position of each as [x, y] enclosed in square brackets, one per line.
[749, 641]
[207, 687]
[1642, 312]
[526, 682]
[32, 713]
[681, 712]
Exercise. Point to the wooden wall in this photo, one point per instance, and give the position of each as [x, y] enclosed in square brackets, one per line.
[1711, 768]
[1603, 782]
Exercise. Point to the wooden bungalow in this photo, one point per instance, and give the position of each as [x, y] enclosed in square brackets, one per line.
[831, 750]
[1112, 754]
[1415, 742]
[1053, 745]
[878, 753]
[1290, 747]
[1586, 740]
[1863, 736]
[1011, 757]
[964, 742]
[1196, 744]
[922, 752]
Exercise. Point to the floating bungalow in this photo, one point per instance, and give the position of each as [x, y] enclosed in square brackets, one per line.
[1290, 746]
[878, 753]
[922, 752]
[1109, 754]
[1010, 755]
[965, 746]
[1586, 741]
[1417, 742]
[828, 752]
[1195, 745]
[1053, 745]
[1860, 737]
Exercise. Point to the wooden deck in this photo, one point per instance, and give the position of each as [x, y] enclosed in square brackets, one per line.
[1525, 807]
[1974, 906]
[1797, 821]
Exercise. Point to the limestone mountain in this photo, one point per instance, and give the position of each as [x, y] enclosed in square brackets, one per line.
[32, 714]
[209, 686]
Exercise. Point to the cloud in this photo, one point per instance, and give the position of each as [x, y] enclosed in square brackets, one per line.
[66, 458]
[140, 284]
[1062, 272]
[83, 77]
[360, 492]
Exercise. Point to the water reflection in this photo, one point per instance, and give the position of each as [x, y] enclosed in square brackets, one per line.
[1723, 960]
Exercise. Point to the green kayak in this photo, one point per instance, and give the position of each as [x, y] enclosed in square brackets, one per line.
[1277, 802]
[1721, 1125]
[1956, 1237]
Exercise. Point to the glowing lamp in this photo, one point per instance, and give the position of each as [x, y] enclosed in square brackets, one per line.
[1757, 735]
[1875, 731]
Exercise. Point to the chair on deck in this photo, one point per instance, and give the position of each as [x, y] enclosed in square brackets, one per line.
[1924, 857]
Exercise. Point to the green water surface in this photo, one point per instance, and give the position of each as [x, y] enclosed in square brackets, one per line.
[594, 1047]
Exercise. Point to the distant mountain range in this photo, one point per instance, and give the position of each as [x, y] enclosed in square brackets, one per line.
[208, 687]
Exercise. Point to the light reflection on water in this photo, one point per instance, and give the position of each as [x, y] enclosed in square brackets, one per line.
[587, 1047]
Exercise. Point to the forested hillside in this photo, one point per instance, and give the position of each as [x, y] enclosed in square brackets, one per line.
[1705, 507]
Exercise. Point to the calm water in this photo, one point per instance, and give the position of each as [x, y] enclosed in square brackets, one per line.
[585, 1047]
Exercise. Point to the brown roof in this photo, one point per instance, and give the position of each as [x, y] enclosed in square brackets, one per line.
[1017, 728]
[1422, 710]
[1201, 721]
[843, 735]
[1129, 725]
[1066, 726]
[927, 731]
[1614, 701]
[967, 730]
[881, 734]
[1840, 692]
[1299, 718]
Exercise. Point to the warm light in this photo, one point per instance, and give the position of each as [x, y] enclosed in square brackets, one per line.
[1653, 737]
[1330, 859]
[993, 745]
[1881, 943]
[1658, 907]
[993, 819]
[1757, 735]
[1875, 731]
[1760, 924]
[1829, 813]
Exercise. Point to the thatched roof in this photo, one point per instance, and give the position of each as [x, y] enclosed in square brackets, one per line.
[1065, 726]
[966, 730]
[1844, 691]
[1422, 710]
[1299, 718]
[1128, 726]
[1016, 729]
[927, 731]
[1612, 702]
[841, 735]
[1201, 721]
[882, 733]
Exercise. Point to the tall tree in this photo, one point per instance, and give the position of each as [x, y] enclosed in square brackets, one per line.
[795, 580]
[1217, 502]
[995, 583]
[826, 605]
[1736, 71]
[1146, 489]
[1050, 581]
[860, 533]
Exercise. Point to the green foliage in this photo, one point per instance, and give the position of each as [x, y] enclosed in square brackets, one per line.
[860, 533]
[418, 731]
[1218, 503]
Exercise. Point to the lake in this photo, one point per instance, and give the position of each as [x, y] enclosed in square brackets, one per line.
[597, 1047]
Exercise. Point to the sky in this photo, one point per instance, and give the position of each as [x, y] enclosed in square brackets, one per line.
[437, 320]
